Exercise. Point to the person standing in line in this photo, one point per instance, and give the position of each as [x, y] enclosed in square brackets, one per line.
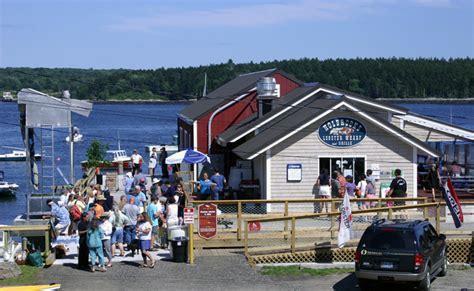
[128, 182]
[361, 191]
[152, 163]
[152, 211]
[99, 206]
[106, 228]
[398, 188]
[220, 182]
[371, 191]
[94, 243]
[131, 211]
[118, 220]
[83, 256]
[136, 162]
[164, 166]
[323, 183]
[140, 198]
[434, 180]
[61, 215]
[144, 230]
[155, 188]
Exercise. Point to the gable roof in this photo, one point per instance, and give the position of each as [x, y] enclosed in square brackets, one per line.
[283, 127]
[244, 83]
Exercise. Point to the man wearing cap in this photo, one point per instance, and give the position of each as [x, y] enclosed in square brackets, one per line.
[152, 163]
[164, 166]
[61, 215]
[128, 182]
[136, 161]
[99, 206]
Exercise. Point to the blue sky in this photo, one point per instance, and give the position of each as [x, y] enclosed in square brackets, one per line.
[180, 33]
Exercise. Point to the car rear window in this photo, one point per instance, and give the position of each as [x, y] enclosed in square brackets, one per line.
[389, 239]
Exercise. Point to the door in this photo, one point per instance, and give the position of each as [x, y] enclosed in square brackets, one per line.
[348, 166]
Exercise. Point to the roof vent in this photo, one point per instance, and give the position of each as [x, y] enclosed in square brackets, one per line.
[267, 87]
[267, 91]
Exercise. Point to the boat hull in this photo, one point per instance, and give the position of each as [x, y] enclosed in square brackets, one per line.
[17, 159]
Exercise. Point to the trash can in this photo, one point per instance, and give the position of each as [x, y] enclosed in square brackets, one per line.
[179, 249]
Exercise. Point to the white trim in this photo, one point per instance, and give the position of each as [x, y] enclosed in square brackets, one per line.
[297, 130]
[375, 105]
[420, 121]
[219, 110]
[415, 172]
[275, 115]
[268, 180]
[355, 110]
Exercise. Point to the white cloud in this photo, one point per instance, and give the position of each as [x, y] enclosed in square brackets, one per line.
[250, 16]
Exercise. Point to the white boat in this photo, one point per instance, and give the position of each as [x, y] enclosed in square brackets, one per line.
[77, 137]
[16, 156]
[7, 188]
[76, 134]
[114, 157]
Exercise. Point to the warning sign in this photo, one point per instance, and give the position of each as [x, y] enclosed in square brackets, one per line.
[188, 215]
[255, 226]
[207, 220]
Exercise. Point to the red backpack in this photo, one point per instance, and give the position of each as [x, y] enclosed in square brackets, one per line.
[75, 212]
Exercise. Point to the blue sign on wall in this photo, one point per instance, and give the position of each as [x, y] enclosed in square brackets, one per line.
[342, 132]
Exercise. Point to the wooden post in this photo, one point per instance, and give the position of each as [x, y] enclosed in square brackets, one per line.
[390, 213]
[286, 221]
[239, 220]
[425, 209]
[293, 234]
[246, 239]
[379, 204]
[333, 219]
[438, 224]
[191, 244]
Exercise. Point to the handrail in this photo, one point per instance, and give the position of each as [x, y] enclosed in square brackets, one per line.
[308, 200]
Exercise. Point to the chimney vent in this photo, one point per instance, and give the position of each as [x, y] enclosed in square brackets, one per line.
[267, 91]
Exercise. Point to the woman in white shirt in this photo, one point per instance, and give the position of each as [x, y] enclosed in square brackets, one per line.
[106, 227]
[144, 235]
[361, 189]
[172, 212]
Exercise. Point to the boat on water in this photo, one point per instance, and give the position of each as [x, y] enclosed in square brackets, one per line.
[77, 136]
[16, 156]
[114, 158]
[7, 188]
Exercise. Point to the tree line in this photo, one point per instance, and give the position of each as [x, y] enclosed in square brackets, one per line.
[376, 78]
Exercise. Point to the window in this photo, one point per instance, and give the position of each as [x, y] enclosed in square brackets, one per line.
[346, 165]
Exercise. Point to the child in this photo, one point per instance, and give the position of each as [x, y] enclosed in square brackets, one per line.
[144, 235]
[94, 243]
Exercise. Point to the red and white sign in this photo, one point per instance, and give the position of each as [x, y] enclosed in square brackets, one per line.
[207, 220]
[255, 226]
[188, 215]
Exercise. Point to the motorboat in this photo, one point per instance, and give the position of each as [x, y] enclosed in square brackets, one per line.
[16, 156]
[114, 158]
[77, 136]
[7, 188]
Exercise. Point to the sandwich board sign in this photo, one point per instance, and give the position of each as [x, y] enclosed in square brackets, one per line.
[207, 214]
[188, 215]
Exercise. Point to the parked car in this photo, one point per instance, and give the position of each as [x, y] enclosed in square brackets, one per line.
[400, 251]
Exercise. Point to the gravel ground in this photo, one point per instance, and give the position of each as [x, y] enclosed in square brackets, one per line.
[215, 273]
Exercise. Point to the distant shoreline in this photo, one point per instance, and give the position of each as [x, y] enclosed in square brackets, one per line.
[131, 101]
[429, 100]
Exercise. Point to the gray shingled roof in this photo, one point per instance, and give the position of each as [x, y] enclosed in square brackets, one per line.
[298, 116]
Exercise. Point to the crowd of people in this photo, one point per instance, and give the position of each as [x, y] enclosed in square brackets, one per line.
[336, 186]
[138, 221]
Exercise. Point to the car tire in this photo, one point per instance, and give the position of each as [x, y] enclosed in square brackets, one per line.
[425, 284]
[444, 267]
[364, 284]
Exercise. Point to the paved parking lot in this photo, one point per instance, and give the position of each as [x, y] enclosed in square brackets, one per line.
[216, 273]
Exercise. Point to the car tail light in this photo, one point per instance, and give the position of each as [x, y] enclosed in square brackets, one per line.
[418, 260]
[357, 257]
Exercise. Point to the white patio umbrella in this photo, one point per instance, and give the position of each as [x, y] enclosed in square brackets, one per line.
[188, 156]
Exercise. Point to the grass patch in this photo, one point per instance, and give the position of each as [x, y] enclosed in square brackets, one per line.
[29, 275]
[295, 271]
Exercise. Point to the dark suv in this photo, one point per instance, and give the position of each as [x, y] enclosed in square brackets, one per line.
[400, 251]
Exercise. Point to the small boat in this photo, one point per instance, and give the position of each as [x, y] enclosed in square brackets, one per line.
[77, 136]
[16, 156]
[114, 157]
[7, 188]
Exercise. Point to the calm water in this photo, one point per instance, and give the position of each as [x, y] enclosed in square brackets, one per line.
[138, 125]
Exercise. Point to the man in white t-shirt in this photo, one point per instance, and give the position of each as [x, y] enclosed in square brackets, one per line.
[136, 161]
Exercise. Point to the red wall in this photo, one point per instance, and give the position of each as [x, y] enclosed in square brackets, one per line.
[236, 113]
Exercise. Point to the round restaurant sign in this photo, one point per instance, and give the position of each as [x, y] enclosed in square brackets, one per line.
[342, 132]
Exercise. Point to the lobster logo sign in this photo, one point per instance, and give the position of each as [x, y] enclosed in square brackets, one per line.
[342, 132]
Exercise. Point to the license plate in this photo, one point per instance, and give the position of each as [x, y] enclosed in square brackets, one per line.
[386, 265]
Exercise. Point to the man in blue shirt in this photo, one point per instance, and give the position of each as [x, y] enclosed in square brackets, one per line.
[220, 182]
[205, 187]
[152, 211]
[140, 197]
[61, 215]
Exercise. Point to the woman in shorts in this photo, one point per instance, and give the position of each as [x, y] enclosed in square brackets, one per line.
[323, 182]
[144, 236]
